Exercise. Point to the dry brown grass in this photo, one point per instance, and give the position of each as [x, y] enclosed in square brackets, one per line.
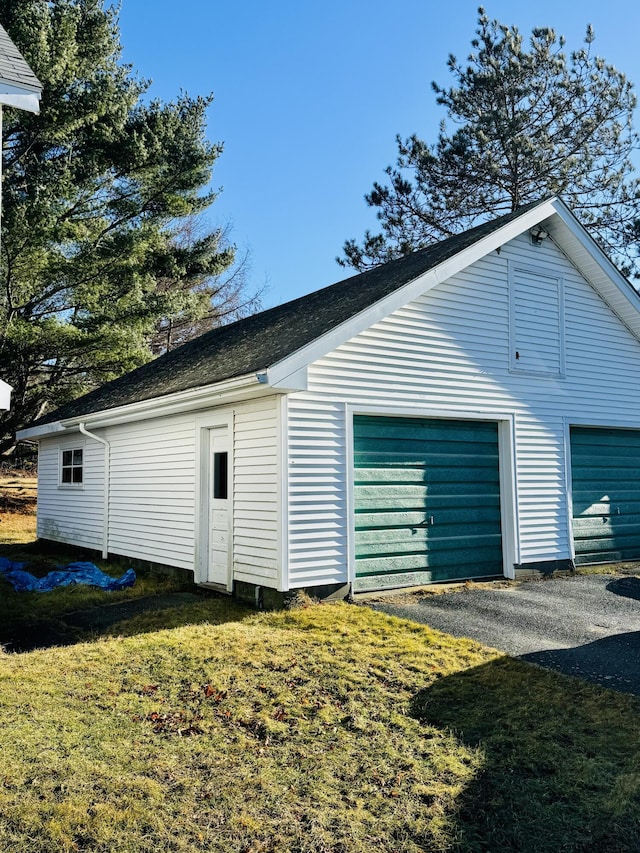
[18, 496]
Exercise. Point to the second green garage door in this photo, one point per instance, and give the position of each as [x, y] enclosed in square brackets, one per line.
[426, 501]
[605, 474]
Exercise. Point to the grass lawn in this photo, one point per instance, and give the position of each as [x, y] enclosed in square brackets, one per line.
[330, 728]
[322, 729]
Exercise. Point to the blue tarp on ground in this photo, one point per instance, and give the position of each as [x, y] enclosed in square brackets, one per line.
[85, 573]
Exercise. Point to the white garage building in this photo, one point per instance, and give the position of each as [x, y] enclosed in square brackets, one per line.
[470, 410]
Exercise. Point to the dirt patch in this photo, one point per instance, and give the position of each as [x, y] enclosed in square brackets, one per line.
[18, 492]
[415, 594]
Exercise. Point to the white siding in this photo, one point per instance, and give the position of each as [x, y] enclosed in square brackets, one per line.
[317, 496]
[152, 490]
[450, 351]
[256, 493]
[5, 395]
[70, 514]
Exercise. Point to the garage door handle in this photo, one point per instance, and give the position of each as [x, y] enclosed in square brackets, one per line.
[426, 523]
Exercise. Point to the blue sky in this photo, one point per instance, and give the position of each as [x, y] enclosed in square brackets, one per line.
[310, 96]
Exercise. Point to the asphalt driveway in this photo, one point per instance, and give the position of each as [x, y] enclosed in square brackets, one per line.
[588, 625]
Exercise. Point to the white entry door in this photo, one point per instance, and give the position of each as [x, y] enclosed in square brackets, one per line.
[219, 506]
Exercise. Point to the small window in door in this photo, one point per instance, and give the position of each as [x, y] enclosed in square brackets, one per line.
[220, 475]
[71, 468]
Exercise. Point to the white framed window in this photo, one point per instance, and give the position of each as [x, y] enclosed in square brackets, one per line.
[71, 466]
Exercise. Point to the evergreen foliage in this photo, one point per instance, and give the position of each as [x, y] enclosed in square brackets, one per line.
[528, 122]
[95, 192]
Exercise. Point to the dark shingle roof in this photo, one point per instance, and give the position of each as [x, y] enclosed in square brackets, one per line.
[257, 342]
[13, 66]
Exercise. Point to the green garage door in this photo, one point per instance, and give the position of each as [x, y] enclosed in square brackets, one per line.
[605, 473]
[426, 500]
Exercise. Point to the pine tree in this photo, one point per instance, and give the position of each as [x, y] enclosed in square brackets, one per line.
[94, 191]
[527, 123]
[203, 298]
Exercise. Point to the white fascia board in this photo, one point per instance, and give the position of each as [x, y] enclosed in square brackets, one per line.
[40, 431]
[297, 361]
[242, 387]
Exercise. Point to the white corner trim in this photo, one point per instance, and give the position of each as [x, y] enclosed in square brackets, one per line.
[283, 493]
[509, 496]
[350, 508]
[568, 481]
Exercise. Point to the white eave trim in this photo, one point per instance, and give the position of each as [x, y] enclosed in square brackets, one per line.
[565, 229]
[24, 98]
[183, 401]
[290, 374]
[40, 431]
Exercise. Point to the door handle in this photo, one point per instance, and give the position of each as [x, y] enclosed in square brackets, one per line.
[426, 523]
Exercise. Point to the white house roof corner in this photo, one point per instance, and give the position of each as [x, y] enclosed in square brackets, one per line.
[19, 86]
[5, 396]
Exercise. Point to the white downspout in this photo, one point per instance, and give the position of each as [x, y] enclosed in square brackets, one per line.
[105, 512]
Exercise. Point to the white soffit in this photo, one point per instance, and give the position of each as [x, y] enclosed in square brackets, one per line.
[589, 259]
[28, 101]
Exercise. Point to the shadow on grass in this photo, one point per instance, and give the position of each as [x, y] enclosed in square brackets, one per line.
[79, 613]
[558, 775]
[31, 620]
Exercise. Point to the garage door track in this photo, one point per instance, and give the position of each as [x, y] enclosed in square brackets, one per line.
[585, 625]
